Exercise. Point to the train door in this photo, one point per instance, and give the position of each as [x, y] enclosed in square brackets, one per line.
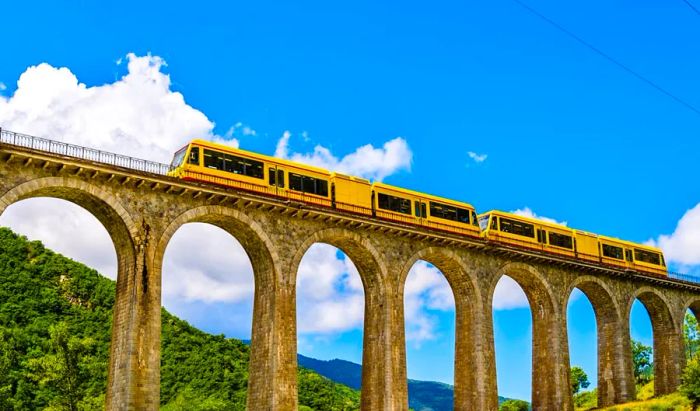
[420, 210]
[542, 238]
[276, 178]
[629, 258]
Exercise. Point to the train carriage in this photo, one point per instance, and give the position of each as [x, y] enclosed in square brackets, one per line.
[402, 205]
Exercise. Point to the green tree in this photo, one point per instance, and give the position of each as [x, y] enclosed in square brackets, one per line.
[514, 405]
[578, 379]
[690, 386]
[643, 366]
[691, 336]
[63, 368]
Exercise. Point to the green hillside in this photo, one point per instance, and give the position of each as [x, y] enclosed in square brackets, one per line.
[55, 327]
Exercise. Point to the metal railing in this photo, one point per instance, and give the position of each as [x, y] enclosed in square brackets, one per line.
[85, 153]
[91, 154]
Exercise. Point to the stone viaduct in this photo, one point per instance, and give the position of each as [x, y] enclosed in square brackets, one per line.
[142, 210]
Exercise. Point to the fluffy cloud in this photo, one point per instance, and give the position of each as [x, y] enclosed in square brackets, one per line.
[137, 115]
[527, 212]
[508, 295]
[682, 247]
[54, 222]
[366, 161]
[478, 158]
[425, 292]
[330, 296]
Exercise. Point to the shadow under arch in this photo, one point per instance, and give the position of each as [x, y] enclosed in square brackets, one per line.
[615, 382]
[550, 375]
[668, 339]
[469, 360]
[693, 304]
[267, 324]
[126, 353]
[378, 374]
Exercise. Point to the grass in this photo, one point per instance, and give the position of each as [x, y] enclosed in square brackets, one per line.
[672, 402]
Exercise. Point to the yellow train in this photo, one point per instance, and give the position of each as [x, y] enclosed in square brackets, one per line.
[554, 238]
[244, 170]
[215, 163]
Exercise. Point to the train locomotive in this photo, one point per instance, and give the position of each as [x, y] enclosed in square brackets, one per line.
[205, 161]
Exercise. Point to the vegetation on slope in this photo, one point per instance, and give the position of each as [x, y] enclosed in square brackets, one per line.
[55, 328]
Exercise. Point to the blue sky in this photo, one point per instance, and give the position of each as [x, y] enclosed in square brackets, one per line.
[558, 128]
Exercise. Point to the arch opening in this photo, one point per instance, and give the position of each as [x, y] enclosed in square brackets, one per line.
[330, 314]
[430, 329]
[691, 331]
[663, 335]
[584, 349]
[208, 281]
[513, 339]
[74, 302]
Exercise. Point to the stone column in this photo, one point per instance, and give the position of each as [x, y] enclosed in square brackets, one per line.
[272, 383]
[133, 382]
[551, 388]
[475, 371]
[615, 375]
[668, 359]
[384, 353]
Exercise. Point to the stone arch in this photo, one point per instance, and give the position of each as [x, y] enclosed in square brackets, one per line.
[615, 383]
[133, 374]
[668, 339]
[550, 373]
[693, 304]
[100, 203]
[379, 373]
[253, 239]
[469, 359]
[272, 358]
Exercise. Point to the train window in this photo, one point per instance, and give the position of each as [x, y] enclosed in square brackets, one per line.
[245, 166]
[517, 228]
[178, 157]
[280, 178]
[398, 204]
[494, 223]
[194, 156]
[647, 257]
[213, 159]
[612, 252]
[474, 219]
[423, 211]
[308, 184]
[484, 222]
[272, 176]
[448, 212]
[561, 240]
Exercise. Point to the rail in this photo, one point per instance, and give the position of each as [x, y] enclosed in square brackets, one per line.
[99, 156]
[85, 153]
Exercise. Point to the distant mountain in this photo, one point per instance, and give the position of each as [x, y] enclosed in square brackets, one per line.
[422, 395]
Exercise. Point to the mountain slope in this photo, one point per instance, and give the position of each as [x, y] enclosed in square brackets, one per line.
[422, 395]
[55, 328]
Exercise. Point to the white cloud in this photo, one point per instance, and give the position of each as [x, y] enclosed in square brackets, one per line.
[509, 295]
[205, 263]
[527, 212]
[426, 291]
[478, 158]
[682, 247]
[366, 161]
[330, 297]
[239, 129]
[65, 228]
[137, 115]
[3, 87]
